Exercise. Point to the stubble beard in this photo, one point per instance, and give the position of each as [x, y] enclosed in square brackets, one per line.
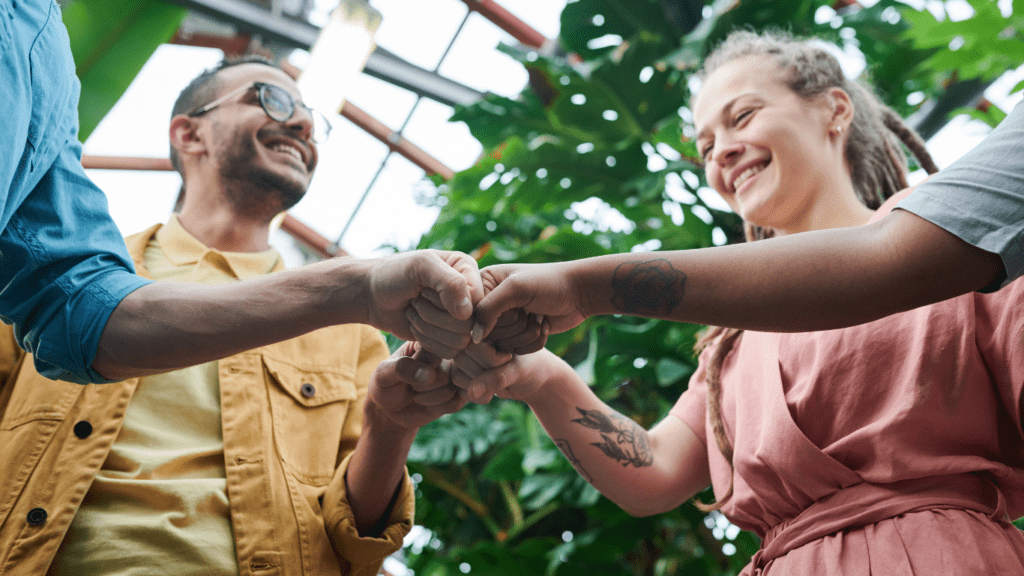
[253, 190]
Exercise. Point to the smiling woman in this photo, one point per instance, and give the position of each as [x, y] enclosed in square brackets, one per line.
[845, 450]
[792, 146]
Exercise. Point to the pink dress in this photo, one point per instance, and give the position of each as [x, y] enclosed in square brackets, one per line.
[892, 448]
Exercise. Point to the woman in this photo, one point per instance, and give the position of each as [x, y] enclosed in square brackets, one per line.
[888, 448]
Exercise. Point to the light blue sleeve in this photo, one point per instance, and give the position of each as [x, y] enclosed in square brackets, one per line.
[63, 264]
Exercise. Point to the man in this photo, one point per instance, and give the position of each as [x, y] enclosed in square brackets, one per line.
[67, 284]
[285, 459]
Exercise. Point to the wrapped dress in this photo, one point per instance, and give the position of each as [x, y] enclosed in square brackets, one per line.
[894, 447]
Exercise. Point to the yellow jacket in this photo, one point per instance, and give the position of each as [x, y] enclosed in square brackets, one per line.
[285, 452]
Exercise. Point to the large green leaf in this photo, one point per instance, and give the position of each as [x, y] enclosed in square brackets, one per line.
[111, 41]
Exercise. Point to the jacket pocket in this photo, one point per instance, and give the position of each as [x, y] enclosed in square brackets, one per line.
[310, 410]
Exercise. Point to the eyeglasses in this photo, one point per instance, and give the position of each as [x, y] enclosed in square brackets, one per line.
[278, 105]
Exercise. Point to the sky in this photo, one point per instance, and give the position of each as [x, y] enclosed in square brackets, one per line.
[390, 215]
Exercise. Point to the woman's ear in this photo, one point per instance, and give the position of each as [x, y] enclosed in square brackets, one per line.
[840, 109]
[184, 136]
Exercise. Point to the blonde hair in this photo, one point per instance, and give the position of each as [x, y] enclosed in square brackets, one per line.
[878, 168]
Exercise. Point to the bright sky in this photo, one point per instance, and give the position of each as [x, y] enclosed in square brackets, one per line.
[418, 32]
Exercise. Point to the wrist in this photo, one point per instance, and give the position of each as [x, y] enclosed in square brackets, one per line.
[550, 370]
[346, 290]
[380, 423]
[586, 287]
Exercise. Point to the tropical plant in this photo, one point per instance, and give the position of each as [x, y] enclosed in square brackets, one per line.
[111, 41]
[595, 157]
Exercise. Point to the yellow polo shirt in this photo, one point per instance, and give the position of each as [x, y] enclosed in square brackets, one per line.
[160, 498]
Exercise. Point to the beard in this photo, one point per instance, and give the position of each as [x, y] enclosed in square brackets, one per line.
[253, 190]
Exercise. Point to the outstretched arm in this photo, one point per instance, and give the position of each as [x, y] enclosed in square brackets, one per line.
[644, 472]
[165, 325]
[812, 281]
[407, 391]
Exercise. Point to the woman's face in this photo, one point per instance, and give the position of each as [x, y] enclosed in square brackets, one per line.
[767, 151]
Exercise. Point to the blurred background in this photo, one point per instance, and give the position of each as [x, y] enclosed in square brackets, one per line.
[528, 131]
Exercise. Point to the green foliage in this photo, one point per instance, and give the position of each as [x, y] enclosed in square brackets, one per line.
[495, 491]
[111, 41]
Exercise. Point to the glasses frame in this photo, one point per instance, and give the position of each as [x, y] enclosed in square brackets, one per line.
[262, 89]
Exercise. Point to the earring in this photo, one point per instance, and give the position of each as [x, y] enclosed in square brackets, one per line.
[839, 130]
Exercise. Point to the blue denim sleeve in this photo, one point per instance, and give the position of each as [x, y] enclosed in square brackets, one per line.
[63, 264]
[65, 269]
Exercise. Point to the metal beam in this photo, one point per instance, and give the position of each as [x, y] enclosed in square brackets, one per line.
[298, 33]
[934, 114]
[508, 22]
[389, 67]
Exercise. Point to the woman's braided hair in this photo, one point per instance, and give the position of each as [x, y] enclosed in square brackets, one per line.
[878, 168]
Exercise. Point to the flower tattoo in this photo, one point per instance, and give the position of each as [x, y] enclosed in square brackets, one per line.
[651, 288]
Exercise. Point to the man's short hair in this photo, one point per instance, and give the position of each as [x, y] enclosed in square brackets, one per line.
[203, 88]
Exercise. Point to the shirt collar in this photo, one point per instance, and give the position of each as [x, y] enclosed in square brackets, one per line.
[184, 249]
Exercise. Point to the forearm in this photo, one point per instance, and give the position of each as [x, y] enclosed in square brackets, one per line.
[167, 325]
[812, 281]
[641, 472]
[376, 470]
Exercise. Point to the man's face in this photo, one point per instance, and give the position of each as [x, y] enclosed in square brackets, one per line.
[266, 165]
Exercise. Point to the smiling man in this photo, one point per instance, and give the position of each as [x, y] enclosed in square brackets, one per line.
[285, 459]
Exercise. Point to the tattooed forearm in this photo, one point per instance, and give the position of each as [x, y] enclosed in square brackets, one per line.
[566, 449]
[621, 439]
[651, 288]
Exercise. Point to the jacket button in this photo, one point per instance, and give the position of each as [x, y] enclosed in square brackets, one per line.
[83, 429]
[36, 517]
[308, 390]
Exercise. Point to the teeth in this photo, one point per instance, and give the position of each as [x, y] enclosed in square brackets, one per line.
[288, 150]
[747, 174]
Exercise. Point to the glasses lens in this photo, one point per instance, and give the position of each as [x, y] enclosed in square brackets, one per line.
[277, 102]
[321, 126]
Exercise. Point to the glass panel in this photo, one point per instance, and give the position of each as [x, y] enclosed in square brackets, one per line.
[391, 214]
[138, 199]
[418, 31]
[449, 142]
[475, 62]
[541, 15]
[385, 102]
[348, 162]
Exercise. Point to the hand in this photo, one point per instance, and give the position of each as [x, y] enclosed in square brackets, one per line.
[542, 289]
[469, 364]
[516, 331]
[519, 332]
[434, 328]
[411, 388]
[396, 280]
[483, 373]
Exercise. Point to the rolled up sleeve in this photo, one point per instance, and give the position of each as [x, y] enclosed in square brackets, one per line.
[63, 264]
[65, 269]
[365, 555]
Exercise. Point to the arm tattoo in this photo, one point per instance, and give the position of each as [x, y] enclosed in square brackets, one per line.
[651, 288]
[622, 439]
[563, 445]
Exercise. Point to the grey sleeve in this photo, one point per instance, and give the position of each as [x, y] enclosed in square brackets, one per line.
[980, 197]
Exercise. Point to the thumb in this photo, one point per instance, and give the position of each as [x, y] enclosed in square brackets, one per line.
[451, 286]
[500, 300]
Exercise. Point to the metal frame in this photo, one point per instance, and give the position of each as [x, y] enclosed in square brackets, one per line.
[297, 33]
